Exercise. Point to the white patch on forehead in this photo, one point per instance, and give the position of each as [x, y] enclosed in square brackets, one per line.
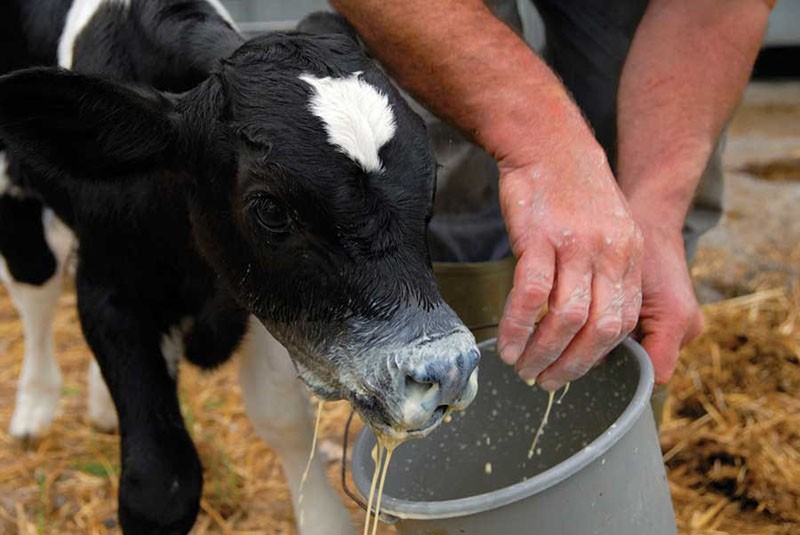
[358, 118]
[78, 16]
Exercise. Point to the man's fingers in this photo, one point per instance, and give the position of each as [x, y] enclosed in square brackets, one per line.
[533, 281]
[568, 311]
[663, 346]
[597, 337]
[696, 325]
[663, 339]
[632, 303]
[665, 335]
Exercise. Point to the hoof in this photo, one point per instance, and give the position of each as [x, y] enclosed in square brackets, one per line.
[159, 492]
[35, 409]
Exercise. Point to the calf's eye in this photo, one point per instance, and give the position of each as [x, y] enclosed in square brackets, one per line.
[271, 215]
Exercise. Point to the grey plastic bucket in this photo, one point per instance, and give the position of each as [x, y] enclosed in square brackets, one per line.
[597, 469]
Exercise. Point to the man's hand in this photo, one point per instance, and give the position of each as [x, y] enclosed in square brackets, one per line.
[686, 70]
[688, 65]
[579, 254]
[670, 315]
[578, 249]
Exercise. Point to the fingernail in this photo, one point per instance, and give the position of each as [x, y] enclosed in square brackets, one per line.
[528, 375]
[510, 353]
[550, 385]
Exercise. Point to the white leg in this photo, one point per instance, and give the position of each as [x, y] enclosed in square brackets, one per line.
[40, 382]
[278, 408]
[39, 387]
[102, 413]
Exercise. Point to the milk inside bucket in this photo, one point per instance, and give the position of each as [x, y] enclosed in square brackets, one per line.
[596, 469]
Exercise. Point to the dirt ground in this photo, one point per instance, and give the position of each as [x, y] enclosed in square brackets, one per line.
[757, 243]
[66, 482]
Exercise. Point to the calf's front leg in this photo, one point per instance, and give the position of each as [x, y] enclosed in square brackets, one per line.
[278, 409]
[33, 247]
[161, 480]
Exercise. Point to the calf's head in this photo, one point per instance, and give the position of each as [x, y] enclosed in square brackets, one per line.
[309, 184]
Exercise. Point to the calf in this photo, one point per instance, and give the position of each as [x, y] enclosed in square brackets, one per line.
[279, 186]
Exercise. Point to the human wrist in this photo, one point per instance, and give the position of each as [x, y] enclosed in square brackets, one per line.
[543, 123]
[658, 217]
[660, 190]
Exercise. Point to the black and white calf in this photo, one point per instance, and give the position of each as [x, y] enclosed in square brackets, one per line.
[221, 191]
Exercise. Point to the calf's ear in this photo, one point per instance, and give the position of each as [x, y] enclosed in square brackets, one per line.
[87, 126]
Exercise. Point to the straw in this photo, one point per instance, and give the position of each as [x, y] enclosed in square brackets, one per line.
[731, 436]
[66, 483]
[731, 431]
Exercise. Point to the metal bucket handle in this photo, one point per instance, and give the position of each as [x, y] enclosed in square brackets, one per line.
[385, 518]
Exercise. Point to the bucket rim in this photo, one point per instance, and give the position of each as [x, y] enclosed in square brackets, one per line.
[431, 510]
[471, 269]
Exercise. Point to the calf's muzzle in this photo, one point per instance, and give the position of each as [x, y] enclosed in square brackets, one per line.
[431, 368]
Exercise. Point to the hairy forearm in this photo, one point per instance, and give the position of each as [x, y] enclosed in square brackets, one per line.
[578, 249]
[468, 67]
[688, 66]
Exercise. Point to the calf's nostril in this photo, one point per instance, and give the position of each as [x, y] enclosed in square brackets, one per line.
[418, 387]
[472, 360]
[422, 398]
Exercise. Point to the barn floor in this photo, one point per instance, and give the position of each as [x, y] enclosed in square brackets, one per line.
[731, 435]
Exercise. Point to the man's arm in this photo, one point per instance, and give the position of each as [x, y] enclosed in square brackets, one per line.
[466, 66]
[688, 65]
[577, 246]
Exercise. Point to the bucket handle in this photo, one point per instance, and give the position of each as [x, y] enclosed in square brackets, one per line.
[385, 518]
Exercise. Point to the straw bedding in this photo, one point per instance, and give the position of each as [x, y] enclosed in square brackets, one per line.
[66, 482]
[731, 436]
